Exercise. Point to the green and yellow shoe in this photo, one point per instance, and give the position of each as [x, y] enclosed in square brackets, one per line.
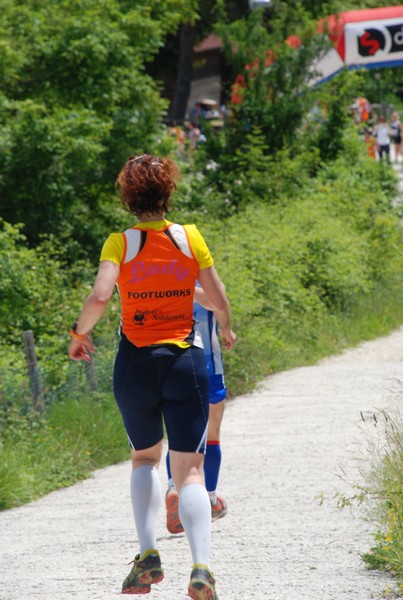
[202, 584]
[146, 570]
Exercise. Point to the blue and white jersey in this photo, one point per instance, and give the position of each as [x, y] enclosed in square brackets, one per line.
[206, 327]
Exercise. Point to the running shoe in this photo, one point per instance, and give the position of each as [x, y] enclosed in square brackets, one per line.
[202, 584]
[219, 510]
[174, 524]
[145, 571]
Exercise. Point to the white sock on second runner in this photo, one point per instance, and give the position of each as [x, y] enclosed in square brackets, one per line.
[171, 485]
[195, 516]
[145, 490]
[213, 498]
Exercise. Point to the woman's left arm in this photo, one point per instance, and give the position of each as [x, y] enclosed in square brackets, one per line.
[93, 309]
[201, 298]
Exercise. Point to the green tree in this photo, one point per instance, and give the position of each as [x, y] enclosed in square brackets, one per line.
[75, 101]
[275, 99]
[273, 72]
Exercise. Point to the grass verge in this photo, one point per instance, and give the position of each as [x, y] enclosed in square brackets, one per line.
[42, 454]
[385, 484]
[381, 491]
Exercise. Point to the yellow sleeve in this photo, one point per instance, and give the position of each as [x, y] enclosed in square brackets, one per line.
[199, 247]
[113, 248]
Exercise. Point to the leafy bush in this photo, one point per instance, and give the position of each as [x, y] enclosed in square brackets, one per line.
[298, 253]
[271, 72]
[50, 162]
[75, 102]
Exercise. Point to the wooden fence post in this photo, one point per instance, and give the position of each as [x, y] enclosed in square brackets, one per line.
[33, 371]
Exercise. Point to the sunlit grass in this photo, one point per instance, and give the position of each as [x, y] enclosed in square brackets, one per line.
[41, 454]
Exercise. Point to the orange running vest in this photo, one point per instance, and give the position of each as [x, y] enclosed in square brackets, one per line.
[156, 286]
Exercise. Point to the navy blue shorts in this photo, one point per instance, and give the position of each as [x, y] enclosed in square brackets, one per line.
[162, 384]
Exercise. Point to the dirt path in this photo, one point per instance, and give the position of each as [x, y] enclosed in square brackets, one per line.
[282, 447]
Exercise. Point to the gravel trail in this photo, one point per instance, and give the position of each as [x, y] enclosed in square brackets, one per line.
[283, 447]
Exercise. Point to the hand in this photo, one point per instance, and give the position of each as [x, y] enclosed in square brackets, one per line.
[228, 339]
[79, 350]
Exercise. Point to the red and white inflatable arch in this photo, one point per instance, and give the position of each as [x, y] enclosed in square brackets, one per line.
[371, 38]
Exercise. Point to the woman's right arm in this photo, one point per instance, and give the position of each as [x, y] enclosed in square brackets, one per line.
[93, 309]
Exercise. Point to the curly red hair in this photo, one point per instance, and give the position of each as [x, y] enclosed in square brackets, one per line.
[146, 184]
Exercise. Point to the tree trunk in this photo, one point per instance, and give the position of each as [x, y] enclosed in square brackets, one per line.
[184, 75]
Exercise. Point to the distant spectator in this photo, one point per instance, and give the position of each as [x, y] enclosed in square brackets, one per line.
[195, 136]
[179, 133]
[224, 112]
[362, 110]
[195, 113]
[209, 109]
[370, 142]
[396, 127]
[382, 132]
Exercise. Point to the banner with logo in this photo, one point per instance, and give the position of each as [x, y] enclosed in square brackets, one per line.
[370, 38]
[373, 42]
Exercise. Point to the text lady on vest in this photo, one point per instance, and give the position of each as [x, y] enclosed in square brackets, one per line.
[160, 372]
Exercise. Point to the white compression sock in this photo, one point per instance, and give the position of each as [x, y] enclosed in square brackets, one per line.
[195, 516]
[145, 490]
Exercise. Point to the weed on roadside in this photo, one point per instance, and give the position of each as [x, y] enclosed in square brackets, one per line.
[380, 492]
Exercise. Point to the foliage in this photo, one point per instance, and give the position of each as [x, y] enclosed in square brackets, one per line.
[40, 455]
[362, 4]
[296, 251]
[235, 172]
[331, 114]
[272, 72]
[75, 101]
[40, 292]
[50, 162]
[232, 177]
[381, 489]
[382, 87]
[386, 484]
